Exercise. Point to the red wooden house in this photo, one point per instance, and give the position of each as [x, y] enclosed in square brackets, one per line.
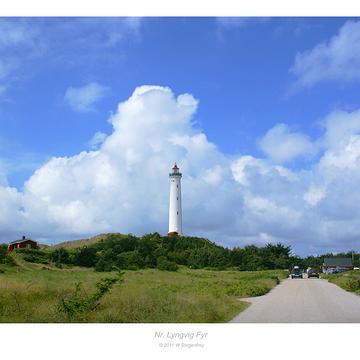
[22, 243]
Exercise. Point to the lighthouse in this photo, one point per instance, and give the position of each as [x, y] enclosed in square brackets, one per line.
[175, 215]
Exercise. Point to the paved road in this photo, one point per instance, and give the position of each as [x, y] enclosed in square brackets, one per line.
[303, 301]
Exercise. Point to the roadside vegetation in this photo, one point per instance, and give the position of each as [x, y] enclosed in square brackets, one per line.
[349, 280]
[33, 292]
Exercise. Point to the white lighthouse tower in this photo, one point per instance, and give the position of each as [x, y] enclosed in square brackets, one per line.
[175, 215]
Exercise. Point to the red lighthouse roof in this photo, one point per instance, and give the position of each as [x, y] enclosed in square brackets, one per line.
[175, 171]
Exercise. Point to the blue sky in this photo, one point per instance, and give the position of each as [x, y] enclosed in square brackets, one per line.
[61, 81]
[239, 73]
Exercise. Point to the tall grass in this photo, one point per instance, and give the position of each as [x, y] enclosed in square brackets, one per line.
[32, 294]
[349, 280]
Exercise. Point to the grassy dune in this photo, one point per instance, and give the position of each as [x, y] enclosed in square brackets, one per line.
[73, 244]
[349, 281]
[32, 293]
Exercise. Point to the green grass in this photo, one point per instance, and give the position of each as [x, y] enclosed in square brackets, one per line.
[32, 292]
[349, 280]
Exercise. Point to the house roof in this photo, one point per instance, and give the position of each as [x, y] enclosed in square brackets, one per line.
[21, 241]
[337, 262]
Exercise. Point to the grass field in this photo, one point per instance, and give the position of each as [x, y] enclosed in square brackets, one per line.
[349, 280]
[32, 293]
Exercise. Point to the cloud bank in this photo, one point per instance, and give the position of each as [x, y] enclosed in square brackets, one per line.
[234, 200]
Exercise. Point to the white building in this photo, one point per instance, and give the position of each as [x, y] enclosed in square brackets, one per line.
[175, 215]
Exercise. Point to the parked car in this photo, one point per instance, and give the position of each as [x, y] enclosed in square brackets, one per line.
[296, 273]
[336, 270]
[356, 268]
[313, 273]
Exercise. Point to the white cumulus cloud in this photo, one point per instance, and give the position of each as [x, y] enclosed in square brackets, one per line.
[281, 145]
[97, 139]
[122, 186]
[335, 59]
[314, 195]
[83, 98]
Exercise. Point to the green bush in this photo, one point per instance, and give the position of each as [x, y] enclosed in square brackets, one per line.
[246, 289]
[34, 255]
[166, 265]
[30, 251]
[38, 259]
[9, 260]
[5, 257]
[86, 256]
[276, 279]
[80, 302]
[60, 256]
[103, 265]
[3, 253]
[130, 260]
[352, 285]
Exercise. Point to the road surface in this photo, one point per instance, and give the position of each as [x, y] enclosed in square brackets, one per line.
[303, 301]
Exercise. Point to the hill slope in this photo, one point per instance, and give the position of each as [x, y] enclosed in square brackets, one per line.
[73, 244]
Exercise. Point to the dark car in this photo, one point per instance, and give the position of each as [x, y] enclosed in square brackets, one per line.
[296, 273]
[313, 273]
[332, 271]
[340, 270]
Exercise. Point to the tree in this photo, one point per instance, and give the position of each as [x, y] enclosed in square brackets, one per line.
[252, 259]
[276, 256]
[102, 265]
[86, 256]
[236, 256]
[166, 265]
[60, 255]
[129, 260]
[3, 253]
